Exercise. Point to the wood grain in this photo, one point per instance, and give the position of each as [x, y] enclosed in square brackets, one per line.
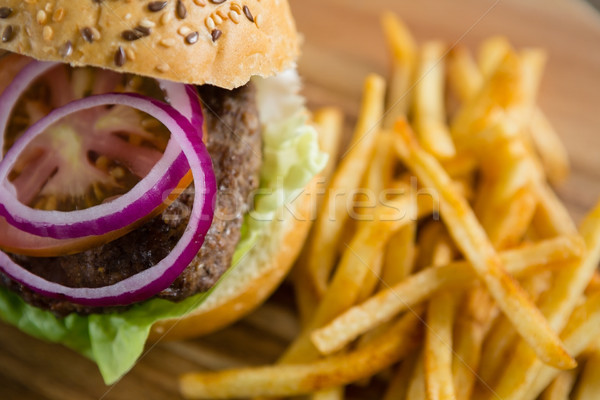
[343, 43]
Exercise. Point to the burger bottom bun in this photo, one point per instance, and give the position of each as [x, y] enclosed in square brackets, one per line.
[256, 277]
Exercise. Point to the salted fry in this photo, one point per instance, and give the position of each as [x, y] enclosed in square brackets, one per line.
[551, 217]
[398, 386]
[552, 152]
[329, 122]
[491, 53]
[404, 57]
[335, 393]
[416, 387]
[474, 244]
[399, 259]
[556, 305]
[418, 287]
[349, 277]
[561, 387]
[581, 330]
[428, 107]
[463, 73]
[473, 323]
[299, 379]
[438, 347]
[334, 214]
[588, 387]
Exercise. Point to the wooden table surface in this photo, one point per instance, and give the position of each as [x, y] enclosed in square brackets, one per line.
[343, 43]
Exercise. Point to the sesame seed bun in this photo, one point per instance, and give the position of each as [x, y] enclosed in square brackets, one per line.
[218, 42]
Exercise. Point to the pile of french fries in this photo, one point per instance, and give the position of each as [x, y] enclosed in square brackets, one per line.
[441, 260]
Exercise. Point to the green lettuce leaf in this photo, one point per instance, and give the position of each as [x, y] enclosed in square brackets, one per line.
[115, 341]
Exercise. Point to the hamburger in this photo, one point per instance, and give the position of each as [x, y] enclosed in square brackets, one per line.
[102, 100]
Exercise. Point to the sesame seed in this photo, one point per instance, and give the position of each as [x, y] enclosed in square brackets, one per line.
[47, 33]
[131, 35]
[217, 1]
[191, 38]
[234, 16]
[164, 67]
[200, 3]
[66, 49]
[218, 19]
[41, 17]
[184, 30]
[210, 23]
[58, 15]
[146, 23]
[181, 10]
[236, 7]
[95, 33]
[215, 34]
[166, 18]
[248, 14]
[48, 7]
[156, 6]
[130, 54]
[168, 42]
[142, 30]
[120, 57]
[5, 12]
[8, 34]
[258, 20]
[87, 34]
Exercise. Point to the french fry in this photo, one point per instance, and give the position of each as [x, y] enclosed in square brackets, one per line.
[428, 106]
[328, 122]
[334, 393]
[474, 244]
[438, 347]
[463, 74]
[398, 386]
[513, 219]
[556, 305]
[404, 57]
[581, 330]
[471, 327]
[561, 387]
[333, 216]
[551, 217]
[588, 387]
[372, 279]
[594, 284]
[438, 335]
[299, 379]
[552, 152]
[400, 252]
[416, 387]
[347, 282]
[387, 303]
[427, 242]
[491, 53]
[549, 147]
[498, 343]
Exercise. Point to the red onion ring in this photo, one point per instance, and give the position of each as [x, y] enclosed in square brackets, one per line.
[157, 278]
[140, 201]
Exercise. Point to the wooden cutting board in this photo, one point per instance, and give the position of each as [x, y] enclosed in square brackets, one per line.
[343, 43]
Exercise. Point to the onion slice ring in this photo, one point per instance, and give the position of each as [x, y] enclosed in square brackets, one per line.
[151, 281]
[116, 215]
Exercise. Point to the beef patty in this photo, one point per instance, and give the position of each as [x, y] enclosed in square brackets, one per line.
[234, 143]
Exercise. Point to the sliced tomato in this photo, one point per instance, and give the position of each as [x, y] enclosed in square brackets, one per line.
[84, 159]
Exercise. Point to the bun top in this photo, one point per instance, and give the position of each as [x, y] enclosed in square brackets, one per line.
[218, 42]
